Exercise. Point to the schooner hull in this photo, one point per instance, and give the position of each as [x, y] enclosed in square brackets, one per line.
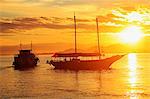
[102, 64]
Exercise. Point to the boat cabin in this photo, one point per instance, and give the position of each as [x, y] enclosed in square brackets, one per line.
[27, 52]
[74, 56]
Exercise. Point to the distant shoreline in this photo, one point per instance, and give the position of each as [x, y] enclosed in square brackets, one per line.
[53, 53]
[35, 53]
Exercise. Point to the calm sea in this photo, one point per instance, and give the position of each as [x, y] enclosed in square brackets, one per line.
[129, 78]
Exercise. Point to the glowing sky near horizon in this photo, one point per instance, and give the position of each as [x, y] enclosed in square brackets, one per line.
[50, 21]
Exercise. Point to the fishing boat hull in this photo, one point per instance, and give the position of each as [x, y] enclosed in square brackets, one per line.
[102, 64]
[25, 59]
[24, 63]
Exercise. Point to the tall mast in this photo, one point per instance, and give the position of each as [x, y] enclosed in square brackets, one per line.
[99, 51]
[75, 33]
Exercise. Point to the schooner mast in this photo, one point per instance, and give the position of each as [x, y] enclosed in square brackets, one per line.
[75, 33]
[99, 50]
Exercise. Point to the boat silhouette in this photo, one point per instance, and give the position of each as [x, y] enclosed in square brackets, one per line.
[72, 61]
[25, 59]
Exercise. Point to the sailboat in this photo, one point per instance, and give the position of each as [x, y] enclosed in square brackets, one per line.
[72, 61]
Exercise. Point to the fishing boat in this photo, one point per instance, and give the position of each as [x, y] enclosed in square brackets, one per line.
[72, 61]
[25, 59]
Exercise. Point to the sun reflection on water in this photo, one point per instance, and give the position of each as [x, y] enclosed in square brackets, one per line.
[133, 77]
[132, 63]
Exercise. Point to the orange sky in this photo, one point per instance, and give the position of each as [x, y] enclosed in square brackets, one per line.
[51, 21]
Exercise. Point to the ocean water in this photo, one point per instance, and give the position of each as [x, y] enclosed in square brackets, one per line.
[128, 78]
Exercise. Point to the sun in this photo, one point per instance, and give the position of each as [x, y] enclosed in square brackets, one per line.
[134, 16]
[131, 34]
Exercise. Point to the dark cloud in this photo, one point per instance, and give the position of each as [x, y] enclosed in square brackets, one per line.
[111, 18]
[79, 20]
[7, 25]
[129, 8]
[108, 23]
[23, 24]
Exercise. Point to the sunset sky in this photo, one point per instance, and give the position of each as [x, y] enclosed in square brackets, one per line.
[51, 21]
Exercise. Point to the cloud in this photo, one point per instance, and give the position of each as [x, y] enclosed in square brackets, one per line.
[84, 8]
[9, 14]
[114, 21]
[97, 3]
[146, 29]
[6, 35]
[28, 23]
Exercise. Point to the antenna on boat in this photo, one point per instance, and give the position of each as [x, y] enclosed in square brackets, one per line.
[75, 33]
[31, 45]
[20, 46]
[99, 51]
